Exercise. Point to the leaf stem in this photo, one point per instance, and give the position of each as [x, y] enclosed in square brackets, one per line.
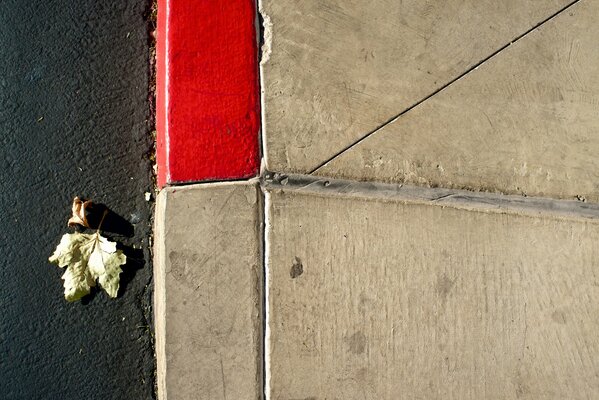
[102, 220]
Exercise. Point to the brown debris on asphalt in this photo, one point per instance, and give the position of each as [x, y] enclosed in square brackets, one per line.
[79, 208]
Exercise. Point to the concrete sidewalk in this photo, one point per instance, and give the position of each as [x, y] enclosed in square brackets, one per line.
[374, 291]
[377, 295]
[425, 223]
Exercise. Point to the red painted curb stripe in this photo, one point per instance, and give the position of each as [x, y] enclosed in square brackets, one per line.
[207, 96]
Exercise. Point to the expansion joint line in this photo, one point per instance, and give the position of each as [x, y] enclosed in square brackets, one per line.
[445, 86]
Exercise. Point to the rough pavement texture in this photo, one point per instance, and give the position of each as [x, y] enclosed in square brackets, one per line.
[208, 296]
[339, 69]
[524, 122]
[383, 299]
[74, 120]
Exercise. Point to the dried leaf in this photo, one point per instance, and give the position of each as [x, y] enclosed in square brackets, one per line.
[87, 258]
[79, 208]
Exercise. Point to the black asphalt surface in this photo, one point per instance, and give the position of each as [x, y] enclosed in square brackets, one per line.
[74, 120]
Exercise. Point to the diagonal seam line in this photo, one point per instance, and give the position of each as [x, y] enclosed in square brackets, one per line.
[445, 86]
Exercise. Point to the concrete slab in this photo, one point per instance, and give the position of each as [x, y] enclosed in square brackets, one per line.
[335, 70]
[523, 122]
[379, 297]
[208, 278]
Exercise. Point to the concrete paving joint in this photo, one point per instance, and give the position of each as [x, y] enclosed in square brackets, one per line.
[462, 199]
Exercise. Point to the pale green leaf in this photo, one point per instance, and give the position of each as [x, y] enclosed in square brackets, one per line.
[88, 257]
[105, 264]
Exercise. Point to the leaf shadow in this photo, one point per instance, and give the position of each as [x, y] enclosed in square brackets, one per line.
[135, 261]
[111, 221]
[87, 299]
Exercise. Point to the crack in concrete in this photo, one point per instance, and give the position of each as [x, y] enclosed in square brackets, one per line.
[445, 86]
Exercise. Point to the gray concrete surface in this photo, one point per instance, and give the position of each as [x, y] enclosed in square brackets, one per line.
[383, 297]
[461, 199]
[208, 297]
[74, 120]
[398, 282]
[337, 69]
[524, 122]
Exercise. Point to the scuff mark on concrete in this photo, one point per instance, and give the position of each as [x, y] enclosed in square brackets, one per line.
[357, 343]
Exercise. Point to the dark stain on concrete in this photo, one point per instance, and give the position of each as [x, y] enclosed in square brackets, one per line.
[560, 317]
[357, 343]
[75, 119]
[444, 286]
[362, 375]
[297, 268]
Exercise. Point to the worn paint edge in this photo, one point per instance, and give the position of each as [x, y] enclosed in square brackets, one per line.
[455, 198]
[162, 84]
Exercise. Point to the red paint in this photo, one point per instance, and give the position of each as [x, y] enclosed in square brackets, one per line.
[207, 96]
